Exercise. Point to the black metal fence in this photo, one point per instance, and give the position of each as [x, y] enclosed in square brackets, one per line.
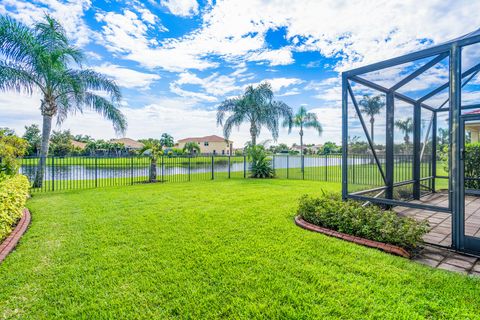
[64, 173]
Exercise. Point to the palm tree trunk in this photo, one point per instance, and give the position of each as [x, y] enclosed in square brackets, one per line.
[46, 129]
[153, 170]
[372, 121]
[253, 134]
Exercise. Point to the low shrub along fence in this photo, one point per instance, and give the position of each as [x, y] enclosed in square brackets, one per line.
[13, 196]
[369, 222]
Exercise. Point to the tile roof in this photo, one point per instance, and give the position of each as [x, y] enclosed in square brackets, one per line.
[212, 138]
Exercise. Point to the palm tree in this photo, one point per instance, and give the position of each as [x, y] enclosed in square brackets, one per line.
[191, 147]
[371, 106]
[304, 120]
[41, 59]
[153, 149]
[406, 126]
[166, 140]
[257, 107]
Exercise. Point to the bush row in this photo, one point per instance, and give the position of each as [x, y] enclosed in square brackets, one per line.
[13, 195]
[370, 222]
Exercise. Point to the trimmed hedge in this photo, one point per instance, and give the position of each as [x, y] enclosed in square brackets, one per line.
[13, 196]
[370, 222]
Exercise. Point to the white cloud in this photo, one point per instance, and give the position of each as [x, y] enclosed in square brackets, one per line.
[70, 14]
[183, 8]
[127, 78]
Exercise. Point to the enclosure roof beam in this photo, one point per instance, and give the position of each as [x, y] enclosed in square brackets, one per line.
[439, 49]
[380, 88]
[419, 71]
[467, 107]
[473, 69]
[365, 130]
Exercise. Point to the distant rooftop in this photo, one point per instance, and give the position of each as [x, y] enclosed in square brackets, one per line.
[129, 143]
[212, 138]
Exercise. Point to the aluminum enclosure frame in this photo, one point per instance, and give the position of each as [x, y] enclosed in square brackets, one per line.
[451, 50]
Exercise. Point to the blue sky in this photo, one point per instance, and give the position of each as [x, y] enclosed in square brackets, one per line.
[177, 59]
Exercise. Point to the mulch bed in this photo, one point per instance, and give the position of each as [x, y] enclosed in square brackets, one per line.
[11, 241]
[361, 241]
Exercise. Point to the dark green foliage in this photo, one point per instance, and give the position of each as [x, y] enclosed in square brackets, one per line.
[11, 148]
[261, 166]
[472, 165]
[368, 222]
[34, 139]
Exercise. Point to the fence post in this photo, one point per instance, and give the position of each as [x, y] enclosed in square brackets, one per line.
[96, 172]
[131, 170]
[229, 167]
[244, 166]
[303, 167]
[273, 162]
[189, 167]
[353, 169]
[53, 173]
[213, 161]
[163, 168]
[288, 167]
[326, 167]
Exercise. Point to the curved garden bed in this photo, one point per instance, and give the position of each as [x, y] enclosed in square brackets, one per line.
[11, 241]
[358, 240]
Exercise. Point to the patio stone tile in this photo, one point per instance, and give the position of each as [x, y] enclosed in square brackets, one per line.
[434, 256]
[459, 263]
[474, 274]
[428, 262]
[476, 267]
[449, 267]
[464, 257]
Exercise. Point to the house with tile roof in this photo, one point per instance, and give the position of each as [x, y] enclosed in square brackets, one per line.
[209, 144]
[473, 128]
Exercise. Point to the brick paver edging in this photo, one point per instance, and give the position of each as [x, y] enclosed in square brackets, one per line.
[9, 244]
[361, 241]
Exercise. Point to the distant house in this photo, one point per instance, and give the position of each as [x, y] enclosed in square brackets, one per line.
[210, 144]
[130, 144]
[473, 127]
[78, 144]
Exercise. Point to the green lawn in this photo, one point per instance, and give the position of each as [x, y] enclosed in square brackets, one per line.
[210, 249]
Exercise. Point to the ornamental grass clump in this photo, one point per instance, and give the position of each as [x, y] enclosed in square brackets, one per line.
[370, 222]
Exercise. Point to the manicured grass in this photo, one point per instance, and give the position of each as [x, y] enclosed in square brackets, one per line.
[212, 249]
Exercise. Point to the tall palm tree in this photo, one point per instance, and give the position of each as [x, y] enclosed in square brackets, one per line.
[406, 126]
[191, 147]
[153, 149]
[41, 59]
[371, 106]
[257, 107]
[305, 120]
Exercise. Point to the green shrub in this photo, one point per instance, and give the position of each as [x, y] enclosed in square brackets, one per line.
[261, 166]
[11, 148]
[370, 222]
[13, 195]
[472, 165]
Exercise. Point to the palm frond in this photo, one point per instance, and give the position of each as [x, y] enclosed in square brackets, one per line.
[15, 79]
[92, 80]
[107, 110]
[18, 43]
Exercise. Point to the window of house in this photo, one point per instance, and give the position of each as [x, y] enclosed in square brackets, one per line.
[205, 143]
[214, 151]
[223, 152]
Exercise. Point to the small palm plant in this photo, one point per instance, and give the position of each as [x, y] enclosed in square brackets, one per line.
[41, 59]
[371, 106]
[261, 166]
[191, 148]
[256, 107]
[153, 149]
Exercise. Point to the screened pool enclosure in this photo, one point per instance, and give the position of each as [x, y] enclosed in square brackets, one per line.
[414, 119]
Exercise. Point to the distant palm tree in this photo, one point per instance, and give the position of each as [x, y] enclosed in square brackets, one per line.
[41, 58]
[166, 140]
[153, 149]
[191, 147]
[305, 120]
[256, 107]
[371, 106]
[406, 126]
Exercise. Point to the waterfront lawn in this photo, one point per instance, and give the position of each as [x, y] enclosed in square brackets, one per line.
[210, 249]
